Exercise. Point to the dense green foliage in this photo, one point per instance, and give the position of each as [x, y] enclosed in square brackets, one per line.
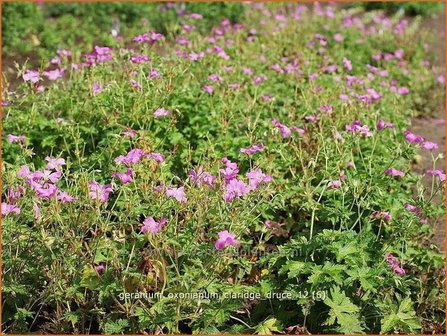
[325, 211]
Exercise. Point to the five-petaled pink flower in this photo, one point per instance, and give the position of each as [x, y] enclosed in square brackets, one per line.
[226, 239]
[99, 192]
[54, 163]
[256, 177]
[152, 226]
[235, 188]
[177, 193]
[31, 76]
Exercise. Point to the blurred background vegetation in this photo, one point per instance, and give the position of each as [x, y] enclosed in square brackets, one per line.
[39, 29]
[27, 26]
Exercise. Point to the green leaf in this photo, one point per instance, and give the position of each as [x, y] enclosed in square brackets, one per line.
[268, 327]
[343, 312]
[116, 327]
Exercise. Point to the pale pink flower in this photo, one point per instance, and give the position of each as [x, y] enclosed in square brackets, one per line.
[8, 208]
[226, 239]
[150, 225]
[161, 112]
[177, 193]
[99, 192]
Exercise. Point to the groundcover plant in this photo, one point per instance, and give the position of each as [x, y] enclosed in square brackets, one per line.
[251, 178]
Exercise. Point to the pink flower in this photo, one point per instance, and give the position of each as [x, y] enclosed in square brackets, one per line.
[182, 41]
[252, 149]
[153, 74]
[161, 112]
[150, 225]
[99, 192]
[383, 124]
[208, 88]
[100, 268]
[54, 163]
[334, 184]
[413, 138]
[347, 64]
[235, 188]
[259, 79]
[343, 97]
[429, 145]
[13, 195]
[256, 177]
[201, 177]
[195, 57]
[436, 172]
[338, 37]
[63, 52]
[247, 71]
[54, 74]
[394, 264]
[65, 197]
[399, 53]
[267, 98]
[156, 156]
[139, 59]
[230, 170]
[16, 138]
[97, 88]
[130, 133]
[226, 239]
[48, 175]
[132, 157]
[381, 215]
[195, 16]
[356, 127]
[124, 177]
[24, 172]
[31, 76]
[177, 193]
[412, 209]
[135, 84]
[394, 172]
[46, 190]
[403, 90]
[214, 78]
[8, 208]
[283, 129]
